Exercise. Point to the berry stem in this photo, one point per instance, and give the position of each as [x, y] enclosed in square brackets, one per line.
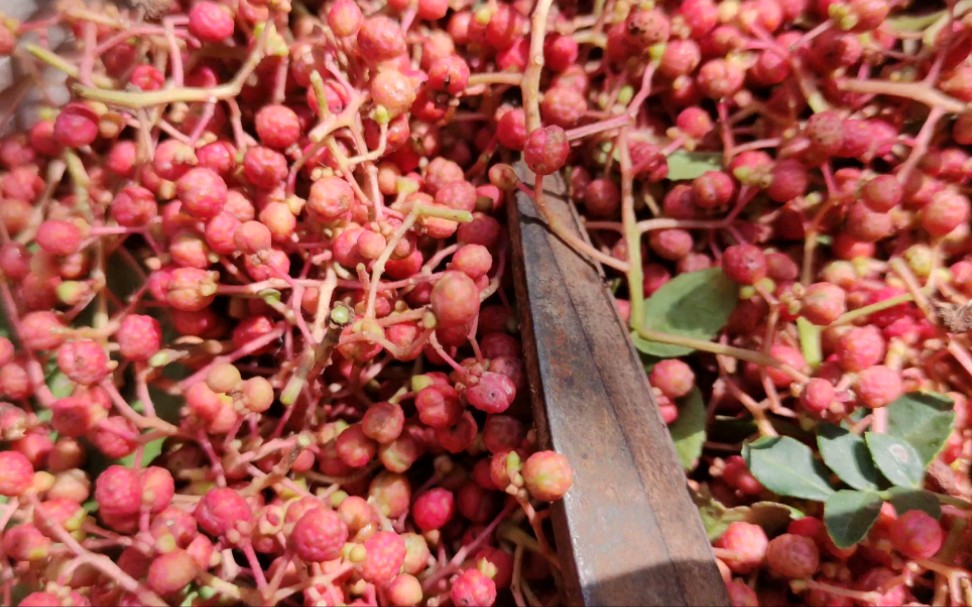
[632, 237]
[98, 561]
[530, 85]
[916, 91]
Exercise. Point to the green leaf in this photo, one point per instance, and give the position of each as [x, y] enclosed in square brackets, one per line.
[688, 431]
[684, 165]
[846, 454]
[694, 304]
[924, 420]
[771, 516]
[150, 451]
[849, 515]
[787, 467]
[897, 460]
[904, 499]
[913, 23]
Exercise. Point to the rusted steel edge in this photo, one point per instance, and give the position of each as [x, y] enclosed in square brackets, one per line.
[628, 529]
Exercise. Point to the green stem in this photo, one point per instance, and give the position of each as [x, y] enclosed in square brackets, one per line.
[849, 317]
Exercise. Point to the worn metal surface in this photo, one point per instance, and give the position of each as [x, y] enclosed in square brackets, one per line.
[628, 530]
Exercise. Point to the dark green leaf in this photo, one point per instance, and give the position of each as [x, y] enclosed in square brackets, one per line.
[688, 431]
[725, 429]
[689, 165]
[787, 467]
[923, 419]
[904, 499]
[846, 454]
[849, 515]
[694, 304]
[150, 451]
[896, 459]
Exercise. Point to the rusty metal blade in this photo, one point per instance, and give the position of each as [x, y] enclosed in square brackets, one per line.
[628, 529]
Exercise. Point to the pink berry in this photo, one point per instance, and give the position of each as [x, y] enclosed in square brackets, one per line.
[438, 406]
[793, 557]
[405, 590]
[878, 386]
[747, 543]
[945, 212]
[433, 509]
[494, 393]
[882, 193]
[25, 542]
[171, 572]
[789, 180]
[823, 303]
[547, 475]
[455, 300]
[222, 510]
[860, 348]
[59, 237]
[917, 535]
[210, 21]
[559, 52]
[139, 337]
[744, 263]
[546, 149]
[83, 361]
[672, 377]
[76, 126]
[713, 189]
[277, 126]
[118, 491]
[330, 198]
[16, 473]
[355, 448]
[41, 331]
[384, 556]
[380, 38]
[319, 535]
[719, 78]
[202, 192]
[511, 129]
[344, 18]
[472, 587]
[563, 107]
[190, 289]
[817, 395]
[134, 207]
[264, 168]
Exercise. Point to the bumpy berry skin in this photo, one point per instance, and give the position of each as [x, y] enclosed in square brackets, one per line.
[277, 126]
[433, 509]
[673, 377]
[25, 543]
[545, 150]
[385, 554]
[59, 237]
[494, 393]
[817, 395]
[221, 509]
[172, 571]
[823, 303]
[473, 588]
[917, 535]
[319, 536]
[878, 386]
[455, 300]
[712, 189]
[202, 192]
[748, 542]
[83, 361]
[792, 556]
[41, 331]
[547, 475]
[210, 21]
[860, 348]
[264, 168]
[744, 263]
[118, 491]
[16, 473]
